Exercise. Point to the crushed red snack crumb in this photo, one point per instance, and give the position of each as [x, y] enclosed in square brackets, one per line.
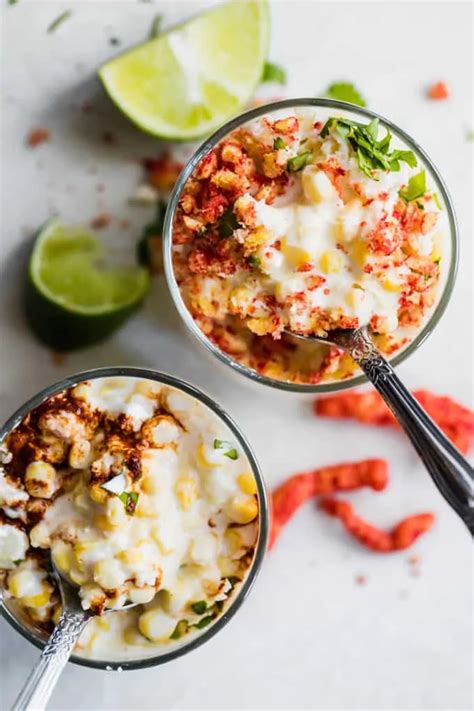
[438, 91]
[37, 136]
[101, 221]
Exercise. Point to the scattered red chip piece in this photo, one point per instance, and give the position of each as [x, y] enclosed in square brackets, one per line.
[438, 91]
[402, 536]
[456, 421]
[290, 495]
[360, 579]
[162, 172]
[101, 221]
[37, 136]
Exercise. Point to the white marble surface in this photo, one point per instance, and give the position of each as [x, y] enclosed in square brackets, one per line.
[308, 637]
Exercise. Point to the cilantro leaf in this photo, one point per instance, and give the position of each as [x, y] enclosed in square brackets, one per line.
[199, 607]
[228, 223]
[298, 162]
[416, 187]
[203, 622]
[231, 452]
[345, 91]
[59, 21]
[273, 72]
[129, 499]
[180, 629]
[371, 154]
[254, 261]
[279, 143]
[155, 26]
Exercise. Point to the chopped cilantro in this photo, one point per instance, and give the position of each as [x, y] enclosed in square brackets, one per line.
[420, 205]
[231, 452]
[437, 201]
[59, 21]
[204, 622]
[279, 143]
[415, 189]
[470, 135]
[228, 223]
[152, 229]
[199, 607]
[273, 72]
[371, 154]
[180, 629]
[13, 2]
[298, 162]
[345, 91]
[129, 499]
[155, 26]
[254, 261]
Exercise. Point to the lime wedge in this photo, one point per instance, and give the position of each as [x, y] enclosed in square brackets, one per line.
[189, 81]
[72, 300]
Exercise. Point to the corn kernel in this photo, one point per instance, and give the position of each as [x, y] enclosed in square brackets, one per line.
[82, 391]
[186, 492]
[132, 636]
[78, 576]
[40, 599]
[255, 239]
[150, 484]
[146, 508]
[156, 625]
[295, 254]
[243, 510]
[142, 595]
[359, 252]
[316, 185]
[40, 480]
[62, 556]
[79, 454]
[101, 521]
[57, 613]
[22, 582]
[332, 262]
[108, 574]
[247, 483]
[204, 457]
[81, 549]
[233, 540]
[116, 514]
[155, 534]
[98, 494]
[354, 298]
[227, 566]
[347, 224]
[391, 286]
[261, 326]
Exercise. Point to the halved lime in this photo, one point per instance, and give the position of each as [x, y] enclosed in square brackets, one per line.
[72, 300]
[189, 81]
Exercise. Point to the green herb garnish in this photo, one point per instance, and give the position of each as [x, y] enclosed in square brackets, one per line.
[233, 580]
[152, 229]
[371, 154]
[298, 162]
[345, 91]
[415, 189]
[273, 72]
[204, 622]
[180, 629]
[155, 26]
[437, 201]
[228, 223]
[59, 20]
[279, 143]
[254, 261]
[199, 607]
[129, 499]
[231, 452]
[470, 135]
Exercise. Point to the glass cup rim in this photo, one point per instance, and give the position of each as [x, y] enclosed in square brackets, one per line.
[210, 143]
[184, 386]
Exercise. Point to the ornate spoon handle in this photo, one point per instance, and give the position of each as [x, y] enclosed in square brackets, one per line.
[40, 684]
[449, 470]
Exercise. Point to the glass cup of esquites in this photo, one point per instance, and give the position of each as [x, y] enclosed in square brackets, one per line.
[141, 489]
[304, 216]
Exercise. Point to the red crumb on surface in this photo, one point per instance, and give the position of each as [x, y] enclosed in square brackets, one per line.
[438, 91]
[402, 536]
[101, 221]
[58, 358]
[360, 579]
[109, 138]
[37, 136]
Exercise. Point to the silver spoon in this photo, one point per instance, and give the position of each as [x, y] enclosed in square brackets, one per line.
[450, 471]
[43, 678]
